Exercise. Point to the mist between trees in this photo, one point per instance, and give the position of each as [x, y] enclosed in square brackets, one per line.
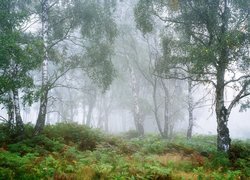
[148, 66]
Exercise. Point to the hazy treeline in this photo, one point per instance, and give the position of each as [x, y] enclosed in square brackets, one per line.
[122, 65]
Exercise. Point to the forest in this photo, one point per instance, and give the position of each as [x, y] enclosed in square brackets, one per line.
[124, 89]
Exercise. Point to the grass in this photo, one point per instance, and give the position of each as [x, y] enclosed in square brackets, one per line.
[71, 151]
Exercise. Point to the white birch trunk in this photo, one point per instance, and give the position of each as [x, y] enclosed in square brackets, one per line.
[19, 121]
[190, 110]
[222, 114]
[166, 130]
[44, 96]
[157, 119]
[137, 116]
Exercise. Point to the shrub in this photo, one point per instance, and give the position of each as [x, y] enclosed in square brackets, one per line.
[239, 155]
[68, 133]
[40, 144]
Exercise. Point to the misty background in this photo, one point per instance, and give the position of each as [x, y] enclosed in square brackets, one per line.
[76, 98]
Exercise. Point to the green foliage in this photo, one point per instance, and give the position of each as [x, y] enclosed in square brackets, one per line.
[85, 137]
[20, 52]
[57, 155]
[131, 134]
[4, 134]
[201, 143]
[13, 166]
[143, 13]
[99, 30]
[239, 155]
[40, 144]
[151, 144]
[219, 161]
[99, 66]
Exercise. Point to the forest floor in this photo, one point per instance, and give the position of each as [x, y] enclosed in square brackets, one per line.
[71, 151]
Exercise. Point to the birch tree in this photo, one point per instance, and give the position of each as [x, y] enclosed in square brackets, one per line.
[218, 51]
[94, 26]
[44, 93]
[19, 55]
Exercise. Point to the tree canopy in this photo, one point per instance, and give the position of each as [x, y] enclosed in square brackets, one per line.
[205, 41]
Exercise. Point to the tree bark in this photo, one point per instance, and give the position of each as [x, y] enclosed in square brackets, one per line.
[166, 130]
[91, 105]
[44, 94]
[40, 123]
[106, 121]
[223, 138]
[137, 117]
[156, 108]
[83, 113]
[190, 110]
[19, 121]
[11, 113]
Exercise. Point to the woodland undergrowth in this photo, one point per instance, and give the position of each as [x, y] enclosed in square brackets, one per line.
[72, 151]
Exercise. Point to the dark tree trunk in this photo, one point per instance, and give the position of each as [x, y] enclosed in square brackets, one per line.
[40, 123]
[44, 96]
[11, 113]
[223, 138]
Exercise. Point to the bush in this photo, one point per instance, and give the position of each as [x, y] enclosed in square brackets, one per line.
[4, 134]
[68, 133]
[39, 144]
[239, 155]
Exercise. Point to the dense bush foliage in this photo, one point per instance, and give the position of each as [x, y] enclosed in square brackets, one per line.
[71, 151]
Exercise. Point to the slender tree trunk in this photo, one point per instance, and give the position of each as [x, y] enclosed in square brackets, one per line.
[156, 108]
[19, 121]
[190, 111]
[223, 138]
[137, 117]
[44, 96]
[71, 108]
[101, 110]
[90, 110]
[83, 113]
[166, 130]
[11, 113]
[40, 123]
[92, 101]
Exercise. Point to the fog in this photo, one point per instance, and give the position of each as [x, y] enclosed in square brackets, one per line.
[117, 87]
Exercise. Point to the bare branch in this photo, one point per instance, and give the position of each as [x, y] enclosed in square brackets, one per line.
[239, 96]
[238, 79]
[184, 77]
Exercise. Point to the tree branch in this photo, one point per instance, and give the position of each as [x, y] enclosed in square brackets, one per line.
[239, 96]
[238, 79]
